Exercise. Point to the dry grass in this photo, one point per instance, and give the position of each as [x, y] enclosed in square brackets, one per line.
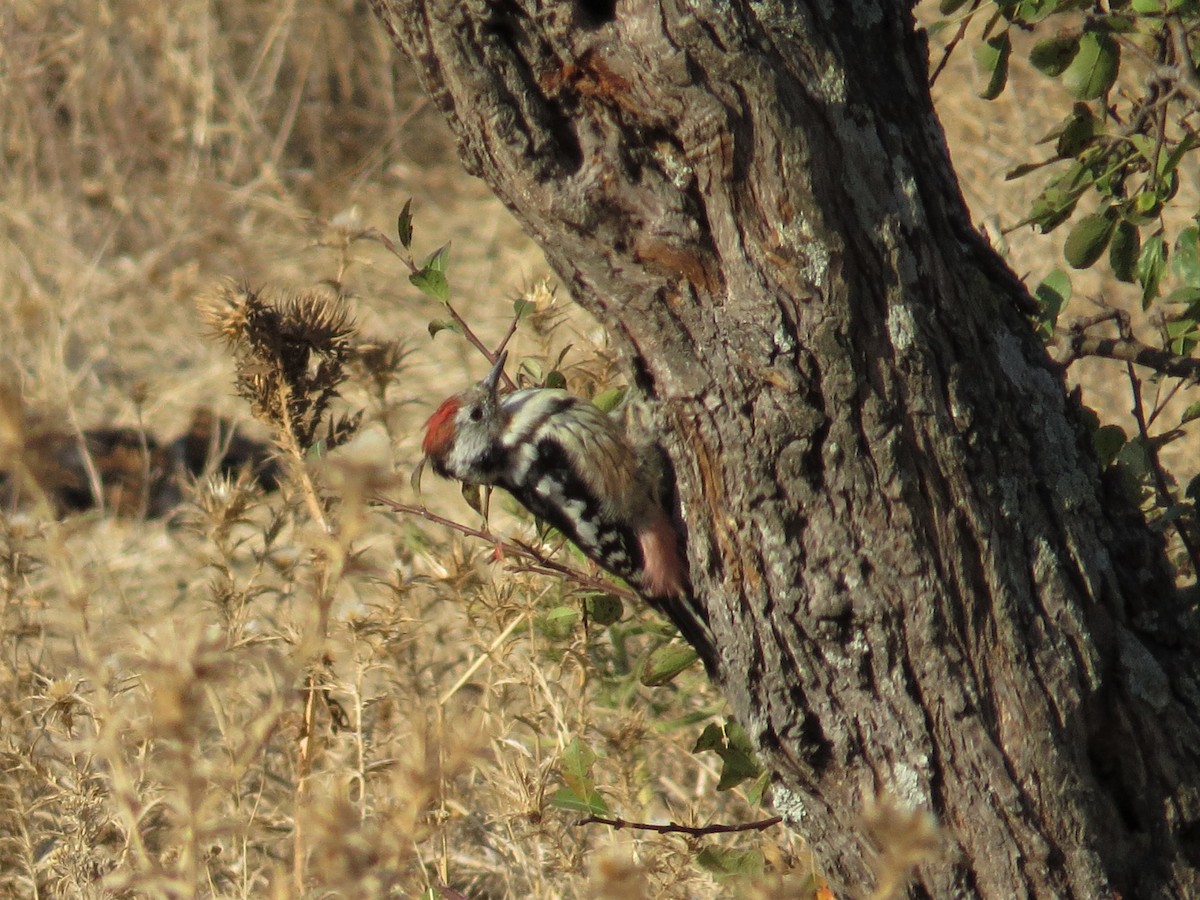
[187, 704]
[184, 705]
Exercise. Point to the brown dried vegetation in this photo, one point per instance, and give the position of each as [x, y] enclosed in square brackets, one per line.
[296, 694]
[290, 693]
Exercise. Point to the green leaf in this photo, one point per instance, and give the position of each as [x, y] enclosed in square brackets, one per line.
[1077, 133]
[558, 623]
[443, 325]
[404, 225]
[1185, 259]
[1024, 169]
[608, 400]
[1147, 206]
[1052, 56]
[1168, 186]
[1146, 7]
[432, 283]
[1051, 208]
[438, 259]
[738, 761]
[1088, 240]
[575, 769]
[591, 803]
[711, 738]
[555, 379]
[1190, 415]
[1183, 332]
[1186, 144]
[736, 767]
[1152, 262]
[737, 737]
[1056, 202]
[726, 862]
[1052, 295]
[576, 764]
[1184, 295]
[605, 609]
[430, 279]
[754, 793]
[1135, 458]
[522, 308]
[666, 663]
[1148, 147]
[473, 495]
[1123, 251]
[1108, 441]
[1033, 11]
[992, 58]
[1094, 69]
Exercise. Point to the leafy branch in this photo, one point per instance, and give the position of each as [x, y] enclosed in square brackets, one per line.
[430, 278]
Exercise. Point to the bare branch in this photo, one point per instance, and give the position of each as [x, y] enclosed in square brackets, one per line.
[1162, 489]
[693, 830]
[541, 564]
[1074, 343]
[1188, 79]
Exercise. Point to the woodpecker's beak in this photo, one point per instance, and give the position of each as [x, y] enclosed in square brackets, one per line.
[493, 377]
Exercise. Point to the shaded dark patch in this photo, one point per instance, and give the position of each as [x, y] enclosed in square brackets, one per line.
[598, 12]
[1189, 842]
[135, 473]
[817, 748]
[642, 377]
[1109, 764]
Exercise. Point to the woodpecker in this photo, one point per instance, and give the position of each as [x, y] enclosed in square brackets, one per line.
[571, 465]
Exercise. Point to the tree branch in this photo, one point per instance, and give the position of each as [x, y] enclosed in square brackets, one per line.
[693, 830]
[1074, 343]
[541, 564]
[1187, 78]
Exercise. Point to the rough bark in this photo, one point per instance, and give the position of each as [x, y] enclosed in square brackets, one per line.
[916, 581]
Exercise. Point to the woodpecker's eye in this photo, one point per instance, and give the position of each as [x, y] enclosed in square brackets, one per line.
[476, 414]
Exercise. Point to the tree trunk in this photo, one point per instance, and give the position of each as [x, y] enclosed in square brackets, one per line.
[917, 583]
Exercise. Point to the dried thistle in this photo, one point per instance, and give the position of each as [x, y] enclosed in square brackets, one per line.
[220, 503]
[904, 839]
[291, 358]
[378, 363]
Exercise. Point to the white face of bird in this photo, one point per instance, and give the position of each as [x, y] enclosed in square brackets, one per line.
[462, 437]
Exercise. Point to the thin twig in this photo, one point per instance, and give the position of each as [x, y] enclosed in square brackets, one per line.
[953, 43]
[1161, 403]
[374, 234]
[1161, 489]
[512, 329]
[1189, 80]
[481, 658]
[693, 830]
[474, 341]
[541, 563]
